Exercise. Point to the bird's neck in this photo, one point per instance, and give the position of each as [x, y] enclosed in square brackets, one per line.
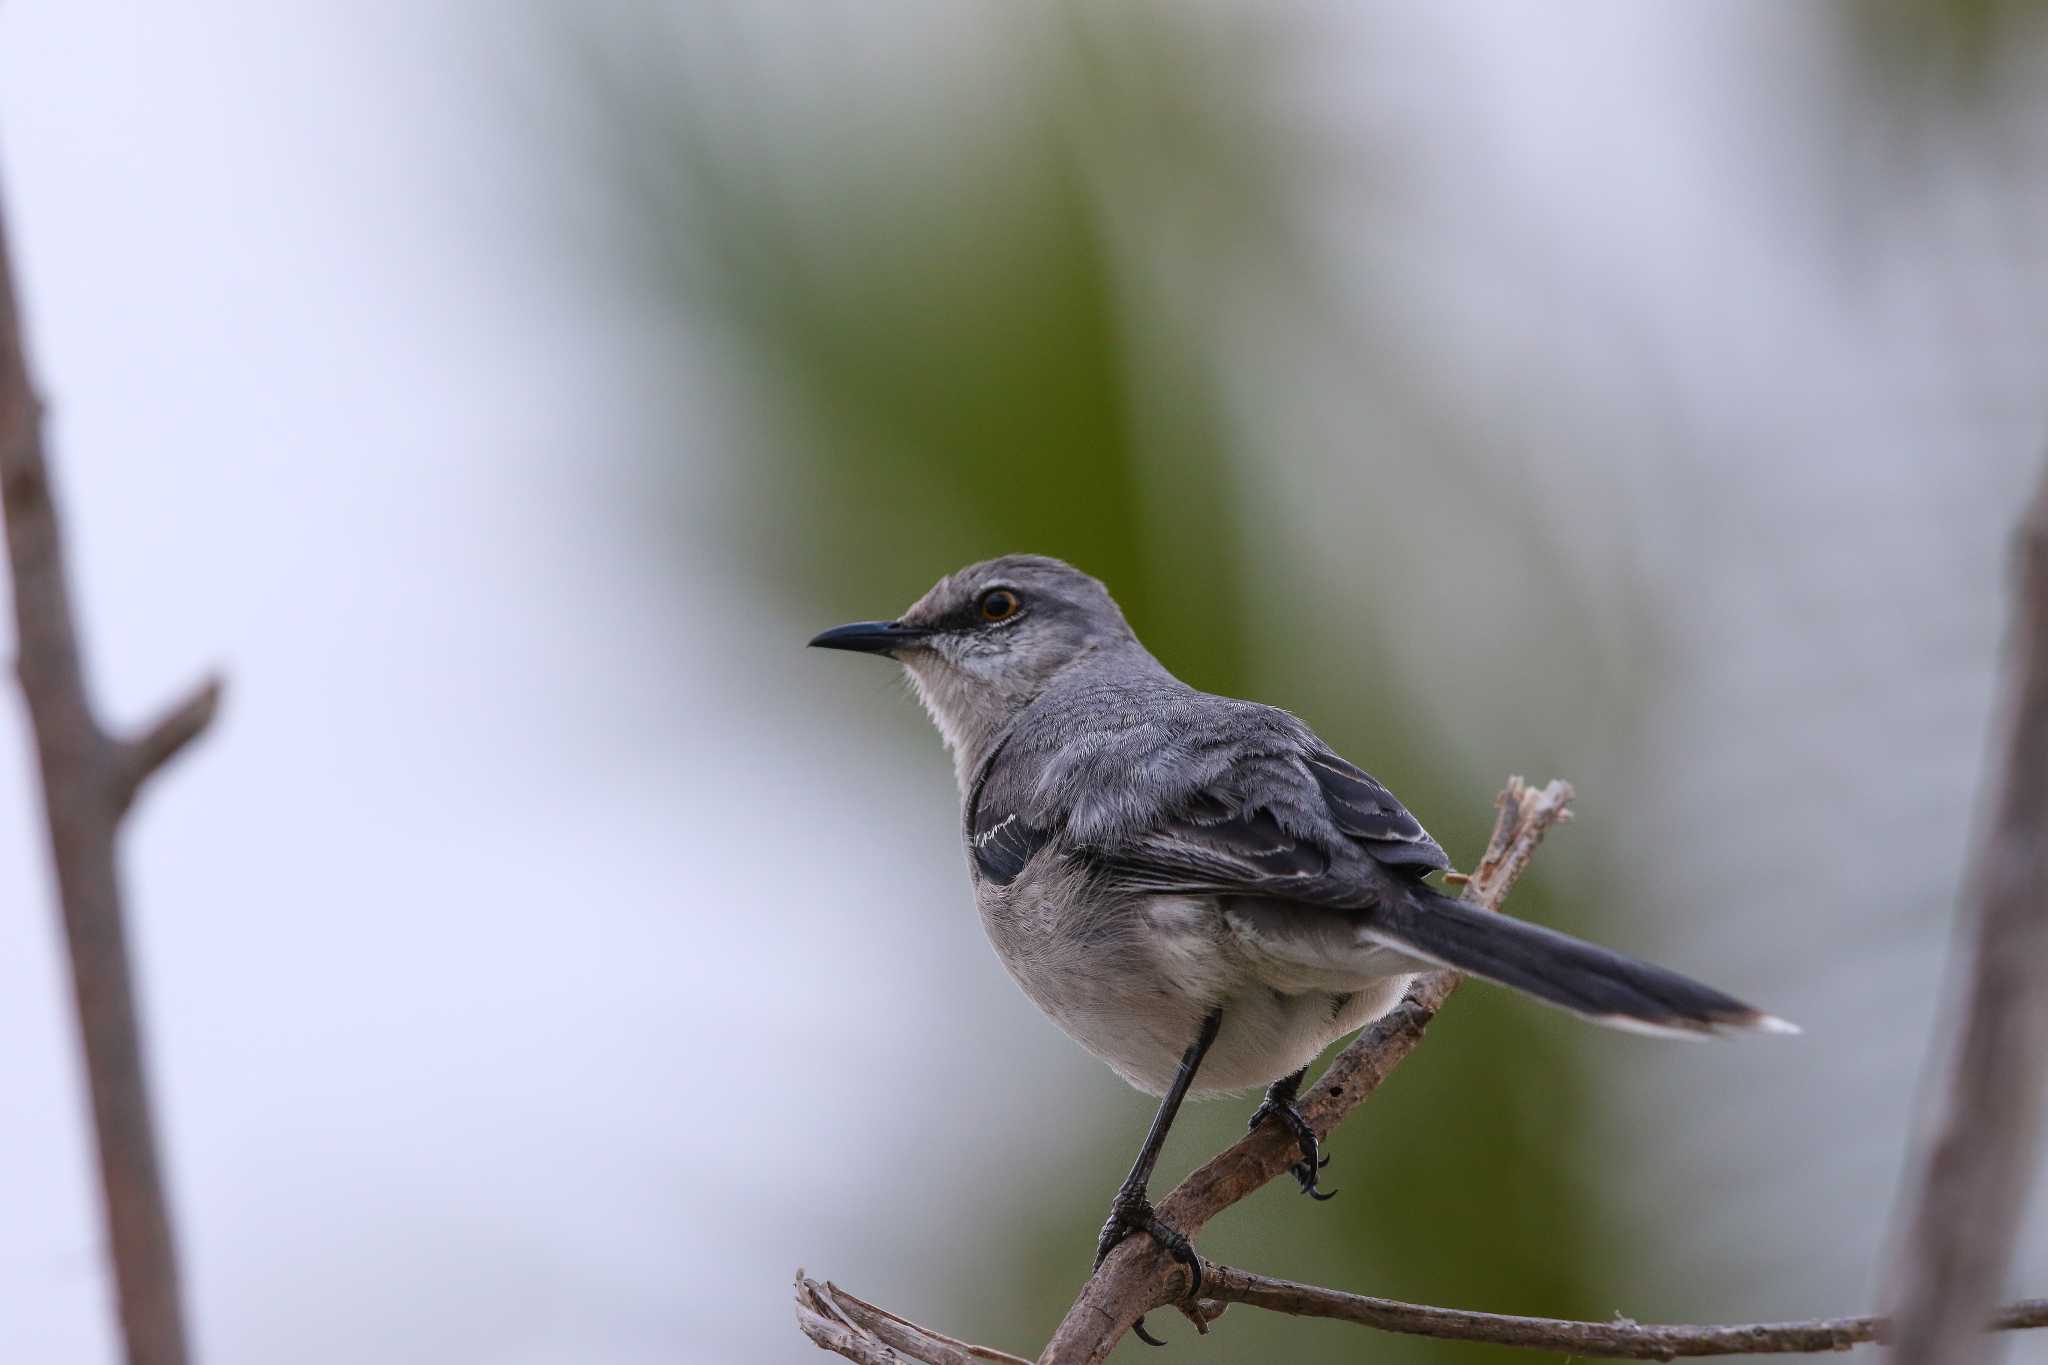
[975, 720]
[968, 716]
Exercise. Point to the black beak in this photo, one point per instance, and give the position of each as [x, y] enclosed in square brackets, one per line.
[869, 637]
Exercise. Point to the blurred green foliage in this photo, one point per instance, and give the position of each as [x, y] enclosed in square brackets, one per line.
[1942, 49]
[946, 312]
[942, 327]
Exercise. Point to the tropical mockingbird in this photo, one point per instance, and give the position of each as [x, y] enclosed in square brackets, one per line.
[1196, 888]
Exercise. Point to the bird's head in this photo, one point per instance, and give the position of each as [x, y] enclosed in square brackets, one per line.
[987, 640]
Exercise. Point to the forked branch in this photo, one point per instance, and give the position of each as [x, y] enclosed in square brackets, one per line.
[89, 779]
[858, 1330]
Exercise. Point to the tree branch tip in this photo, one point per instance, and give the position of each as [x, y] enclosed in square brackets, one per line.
[166, 737]
[842, 1322]
[205, 694]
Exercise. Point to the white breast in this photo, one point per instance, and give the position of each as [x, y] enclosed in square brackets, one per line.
[1131, 977]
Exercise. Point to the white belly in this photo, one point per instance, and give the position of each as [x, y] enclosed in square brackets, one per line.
[1132, 982]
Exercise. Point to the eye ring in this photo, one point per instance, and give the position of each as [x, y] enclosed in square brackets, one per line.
[999, 604]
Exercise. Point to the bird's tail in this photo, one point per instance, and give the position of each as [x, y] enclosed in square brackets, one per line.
[1591, 981]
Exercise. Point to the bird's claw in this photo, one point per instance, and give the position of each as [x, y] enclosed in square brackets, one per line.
[1132, 1212]
[1306, 1170]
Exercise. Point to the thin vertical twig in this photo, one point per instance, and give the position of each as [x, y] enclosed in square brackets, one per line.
[1961, 1222]
[89, 777]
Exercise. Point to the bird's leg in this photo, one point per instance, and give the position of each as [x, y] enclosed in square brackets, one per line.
[1279, 1104]
[1131, 1211]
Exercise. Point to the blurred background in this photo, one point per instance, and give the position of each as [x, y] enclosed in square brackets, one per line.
[546, 956]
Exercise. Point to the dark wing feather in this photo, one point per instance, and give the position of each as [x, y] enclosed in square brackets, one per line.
[1286, 826]
[1203, 801]
[1001, 847]
[1368, 812]
[1002, 833]
[1208, 846]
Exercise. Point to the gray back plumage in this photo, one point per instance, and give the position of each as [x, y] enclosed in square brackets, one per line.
[1165, 788]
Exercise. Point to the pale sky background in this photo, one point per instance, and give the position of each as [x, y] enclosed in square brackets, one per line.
[502, 926]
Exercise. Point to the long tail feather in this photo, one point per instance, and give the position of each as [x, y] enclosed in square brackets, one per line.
[1603, 986]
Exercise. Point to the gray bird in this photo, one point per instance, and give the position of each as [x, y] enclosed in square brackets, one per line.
[1196, 888]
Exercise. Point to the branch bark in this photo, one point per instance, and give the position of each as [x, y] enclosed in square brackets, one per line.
[1962, 1223]
[88, 781]
[1620, 1339]
[858, 1330]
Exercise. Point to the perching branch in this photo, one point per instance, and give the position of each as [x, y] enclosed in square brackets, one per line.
[1620, 1339]
[1961, 1225]
[860, 1331]
[89, 778]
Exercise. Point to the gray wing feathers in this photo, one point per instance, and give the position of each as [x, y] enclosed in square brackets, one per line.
[1367, 811]
[1166, 790]
[1174, 790]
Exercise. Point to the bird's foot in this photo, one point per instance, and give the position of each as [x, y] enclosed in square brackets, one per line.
[1306, 1170]
[1132, 1212]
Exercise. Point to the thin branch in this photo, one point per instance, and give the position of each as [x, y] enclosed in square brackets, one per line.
[858, 1330]
[88, 780]
[1138, 1277]
[1620, 1339]
[142, 756]
[853, 1327]
[1963, 1222]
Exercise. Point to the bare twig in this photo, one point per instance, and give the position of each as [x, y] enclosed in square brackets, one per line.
[88, 780]
[860, 1331]
[162, 741]
[1621, 1339]
[1961, 1225]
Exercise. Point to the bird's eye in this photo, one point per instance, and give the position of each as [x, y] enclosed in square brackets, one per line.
[999, 604]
